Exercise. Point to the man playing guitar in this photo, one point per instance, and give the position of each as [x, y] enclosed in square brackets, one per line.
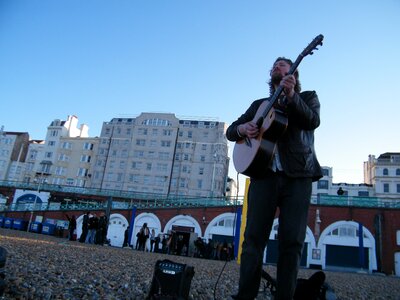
[283, 180]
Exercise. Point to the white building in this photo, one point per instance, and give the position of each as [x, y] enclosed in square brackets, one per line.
[384, 174]
[44, 156]
[13, 149]
[159, 153]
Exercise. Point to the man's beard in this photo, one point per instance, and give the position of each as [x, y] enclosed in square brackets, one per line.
[276, 78]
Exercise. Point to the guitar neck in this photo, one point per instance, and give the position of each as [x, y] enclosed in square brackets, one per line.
[279, 90]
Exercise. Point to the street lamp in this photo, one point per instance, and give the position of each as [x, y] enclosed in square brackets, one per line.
[40, 179]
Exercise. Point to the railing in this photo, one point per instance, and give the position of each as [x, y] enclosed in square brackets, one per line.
[128, 200]
[121, 199]
[371, 202]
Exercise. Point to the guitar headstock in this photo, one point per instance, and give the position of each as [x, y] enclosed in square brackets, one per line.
[309, 50]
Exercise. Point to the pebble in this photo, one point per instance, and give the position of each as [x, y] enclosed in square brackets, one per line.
[46, 267]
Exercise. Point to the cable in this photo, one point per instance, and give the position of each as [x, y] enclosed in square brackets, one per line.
[233, 234]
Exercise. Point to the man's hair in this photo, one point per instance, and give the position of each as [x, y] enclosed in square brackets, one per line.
[297, 87]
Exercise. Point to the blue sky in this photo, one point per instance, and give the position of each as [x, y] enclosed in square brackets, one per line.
[104, 59]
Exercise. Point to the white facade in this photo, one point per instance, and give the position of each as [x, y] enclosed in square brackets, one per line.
[384, 174]
[158, 153]
[43, 157]
[13, 148]
[381, 187]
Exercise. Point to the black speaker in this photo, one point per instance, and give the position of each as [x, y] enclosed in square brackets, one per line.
[171, 280]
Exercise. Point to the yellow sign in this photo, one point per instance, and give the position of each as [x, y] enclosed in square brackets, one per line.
[244, 219]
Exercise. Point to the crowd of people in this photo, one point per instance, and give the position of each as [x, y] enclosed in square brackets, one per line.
[214, 250]
[174, 243]
[94, 231]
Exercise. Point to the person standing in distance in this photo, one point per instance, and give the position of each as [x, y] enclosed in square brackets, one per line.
[286, 183]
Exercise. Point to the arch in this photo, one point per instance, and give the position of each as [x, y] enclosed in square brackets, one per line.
[329, 237]
[186, 235]
[309, 241]
[115, 232]
[213, 227]
[183, 220]
[152, 223]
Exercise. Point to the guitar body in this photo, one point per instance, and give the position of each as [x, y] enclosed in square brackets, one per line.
[252, 157]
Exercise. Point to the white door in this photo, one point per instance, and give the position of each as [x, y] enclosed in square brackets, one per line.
[397, 263]
[116, 230]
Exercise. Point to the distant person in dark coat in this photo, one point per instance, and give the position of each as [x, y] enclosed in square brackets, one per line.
[71, 227]
[85, 227]
[126, 237]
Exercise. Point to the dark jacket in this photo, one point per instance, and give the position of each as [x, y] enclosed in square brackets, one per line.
[296, 145]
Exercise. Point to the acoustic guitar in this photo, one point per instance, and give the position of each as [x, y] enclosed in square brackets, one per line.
[251, 155]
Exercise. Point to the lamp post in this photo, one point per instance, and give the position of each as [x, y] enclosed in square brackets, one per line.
[40, 179]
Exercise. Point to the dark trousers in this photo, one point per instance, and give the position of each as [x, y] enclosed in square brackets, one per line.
[292, 196]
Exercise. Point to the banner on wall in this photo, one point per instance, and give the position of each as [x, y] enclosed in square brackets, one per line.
[243, 220]
[27, 198]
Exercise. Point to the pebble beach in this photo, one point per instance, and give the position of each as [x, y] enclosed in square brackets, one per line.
[47, 267]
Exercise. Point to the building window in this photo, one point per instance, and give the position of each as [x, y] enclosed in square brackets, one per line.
[397, 172]
[60, 171]
[82, 172]
[325, 172]
[156, 122]
[52, 143]
[167, 132]
[138, 153]
[63, 157]
[140, 142]
[398, 188]
[66, 145]
[363, 193]
[165, 143]
[201, 171]
[323, 184]
[386, 187]
[85, 158]
[385, 172]
[88, 146]
[142, 131]
[137, 165]
[163, 155]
